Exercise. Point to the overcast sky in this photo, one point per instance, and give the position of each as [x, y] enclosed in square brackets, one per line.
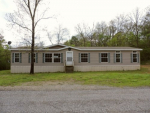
[69, 13]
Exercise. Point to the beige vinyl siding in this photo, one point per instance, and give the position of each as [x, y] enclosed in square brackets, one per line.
[25, 56]
[94, 58]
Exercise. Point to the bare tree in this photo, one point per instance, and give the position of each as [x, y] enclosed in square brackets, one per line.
[136, 20]
[60, 34]
[50, 36]
[90, 33]
[112, 28]
[27, 41]
[27, 18]
[81, 30]
[102, 33]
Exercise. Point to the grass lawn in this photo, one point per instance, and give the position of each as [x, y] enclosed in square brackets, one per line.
[116, 78]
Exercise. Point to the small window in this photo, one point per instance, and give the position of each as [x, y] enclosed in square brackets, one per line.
[57, 57]
[118, 56]
[104, 57]
[84, 57]
[48, 57]
[17, 57]
[134, 56]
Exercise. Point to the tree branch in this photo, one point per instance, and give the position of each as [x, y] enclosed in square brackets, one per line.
[40, 20]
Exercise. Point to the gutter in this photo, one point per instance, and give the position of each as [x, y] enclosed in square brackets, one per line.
[76, 49]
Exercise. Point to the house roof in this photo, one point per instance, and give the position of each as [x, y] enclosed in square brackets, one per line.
[55, 45]
[107, 48]
[51, 47]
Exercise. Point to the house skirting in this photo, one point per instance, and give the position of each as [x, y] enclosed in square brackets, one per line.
[107, 68]
[38, 69]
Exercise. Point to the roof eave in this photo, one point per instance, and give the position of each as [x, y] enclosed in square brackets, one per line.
[79, 49]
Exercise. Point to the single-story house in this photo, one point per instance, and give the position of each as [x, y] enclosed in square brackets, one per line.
[61, 58]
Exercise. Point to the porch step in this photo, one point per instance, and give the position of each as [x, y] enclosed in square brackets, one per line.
[69, 69]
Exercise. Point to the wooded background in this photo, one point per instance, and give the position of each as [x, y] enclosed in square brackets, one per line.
[131, 30]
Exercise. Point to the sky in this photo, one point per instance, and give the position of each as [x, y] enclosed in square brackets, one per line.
[69, 13]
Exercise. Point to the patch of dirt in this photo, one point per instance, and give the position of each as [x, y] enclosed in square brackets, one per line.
[47, 83]
[48, 86]
[146, 66]
[42, 83]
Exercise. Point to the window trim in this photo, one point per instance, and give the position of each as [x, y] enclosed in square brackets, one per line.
[61, 57]
[87, 57]
[54, 58]
[15, 57]
[107, 57]
[136, 56]
[116, 57]
[35, 57]
[45, 58]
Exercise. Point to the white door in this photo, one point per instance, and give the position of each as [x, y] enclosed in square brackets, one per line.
[69, 58]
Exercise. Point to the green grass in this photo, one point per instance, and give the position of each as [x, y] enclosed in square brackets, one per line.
[116, 78]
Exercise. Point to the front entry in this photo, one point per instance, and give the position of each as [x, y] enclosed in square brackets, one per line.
[69, 58]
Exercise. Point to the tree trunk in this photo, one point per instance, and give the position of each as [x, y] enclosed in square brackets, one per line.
[32, 48]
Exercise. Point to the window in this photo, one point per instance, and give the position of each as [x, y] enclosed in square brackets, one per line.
[35, 57]
[48, 57]
[57, 57]
[104, 57]
[134, 56]
[53, 57]
[17, 57]
[118, 56]
[84, 57]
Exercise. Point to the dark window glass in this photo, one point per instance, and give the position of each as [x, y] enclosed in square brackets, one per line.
[84, 57]
[16, 57]
[48, 57]
[134, 57]
[57, 57]
[117, 57]
[104, 60]
[104, 57]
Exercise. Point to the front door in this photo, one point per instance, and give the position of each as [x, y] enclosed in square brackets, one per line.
[69, 58]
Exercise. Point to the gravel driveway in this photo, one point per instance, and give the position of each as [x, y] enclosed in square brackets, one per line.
[74, 99]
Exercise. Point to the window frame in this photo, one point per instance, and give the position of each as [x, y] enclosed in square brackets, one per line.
[104, 57]
[45, 57]
[15, 57]
[116, 56]
[84, 57]
[53, 58]
[134, 52]
[34, 58]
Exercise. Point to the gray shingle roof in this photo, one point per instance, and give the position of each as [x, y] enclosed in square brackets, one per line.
[107, 48]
